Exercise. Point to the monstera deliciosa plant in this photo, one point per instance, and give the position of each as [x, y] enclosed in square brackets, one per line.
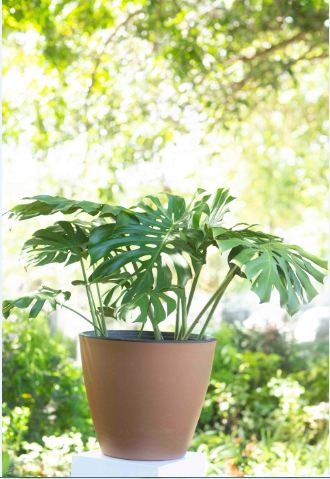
[142, 263]
[146, 388]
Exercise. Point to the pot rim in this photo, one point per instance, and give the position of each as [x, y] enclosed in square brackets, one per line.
[147, 337]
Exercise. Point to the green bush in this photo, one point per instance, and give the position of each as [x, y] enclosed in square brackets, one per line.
[310, 366]
[238, 398]
[14, 428]
[266, 406]
[39, 374]
[52, 457]
[265, 410]
[230, 456]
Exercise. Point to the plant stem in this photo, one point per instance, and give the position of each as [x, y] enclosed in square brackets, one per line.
[141, 330]
[158, 334]
[230, 275]
[177, 320]
[200, 314]
[183, 315]
[192, 290]
[210, 301]
[77, 312]
[97, 316]
[102, 317]
[96, 324]
[104, 327]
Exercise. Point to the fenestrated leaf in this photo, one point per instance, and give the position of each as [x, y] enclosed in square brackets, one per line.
[151, 242]
[170, 302]
[271, 264]
[219, 207]
[201, 209]
[98, 242]
[310, 291]
[142, 304]
[44, 296]
[63, 242]
[154, 244]
[159, 313]
[117, 286]
[176, 207]
[209, 210]
[183, 274]
[240, 255]
[113, 265]
[164, 275]
[157, 303]
[48, 205]
[149, 253]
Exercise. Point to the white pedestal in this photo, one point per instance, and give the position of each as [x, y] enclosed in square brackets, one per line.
[95, 464]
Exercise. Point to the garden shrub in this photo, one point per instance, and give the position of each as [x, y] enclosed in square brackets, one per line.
[265, 392]
[244, 364]
[39, 374]
[52, 457]
[265, 410]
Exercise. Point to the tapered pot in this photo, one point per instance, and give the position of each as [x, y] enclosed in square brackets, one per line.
[145, 396]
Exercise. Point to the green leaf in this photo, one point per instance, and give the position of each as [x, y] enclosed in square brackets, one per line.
[36, 308]
[152, 242]
[170, 303]
[219, 207]
[98, 245]
[161, 304]
[270, 264]
[158, 309]
[48, 205]
[63, 242]
[142, 304]
[44, 295]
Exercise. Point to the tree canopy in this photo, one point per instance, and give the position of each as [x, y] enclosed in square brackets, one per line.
[121, 81]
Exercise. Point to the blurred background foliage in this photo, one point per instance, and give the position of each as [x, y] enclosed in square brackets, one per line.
[233, 89]
[265, 412]
[110, 100]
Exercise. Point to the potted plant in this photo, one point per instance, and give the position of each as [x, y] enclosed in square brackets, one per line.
[146, 388]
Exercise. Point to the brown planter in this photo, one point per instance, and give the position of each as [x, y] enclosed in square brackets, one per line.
[145, 396]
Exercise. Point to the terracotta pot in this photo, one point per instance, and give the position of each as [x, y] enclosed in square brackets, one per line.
[145, 396]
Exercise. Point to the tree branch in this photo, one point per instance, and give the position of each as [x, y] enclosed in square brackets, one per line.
[277, 46]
